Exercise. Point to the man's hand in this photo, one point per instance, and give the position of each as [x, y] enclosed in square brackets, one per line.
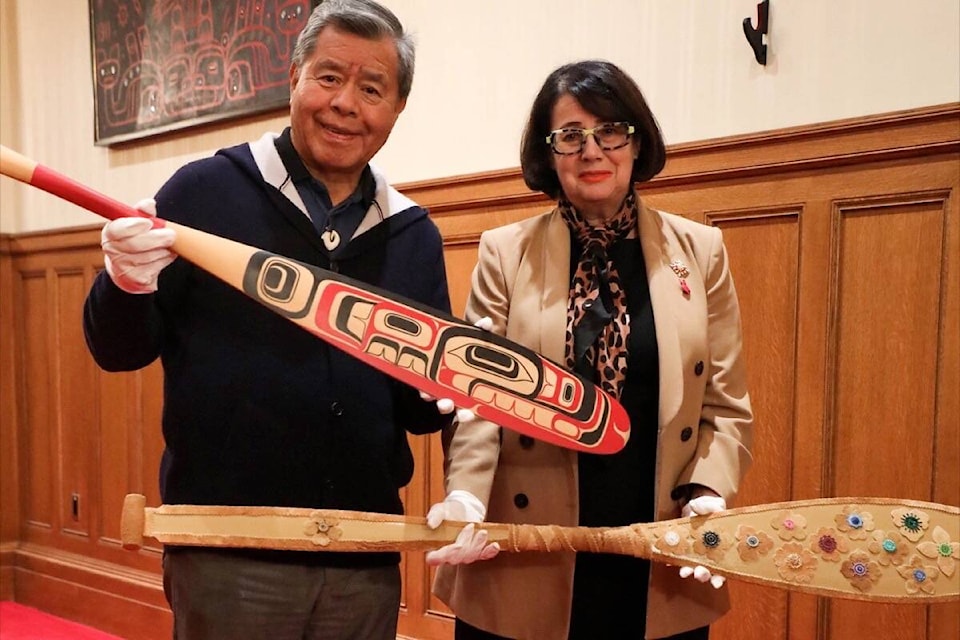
[471, 544]
[446, 405]
[701, 506]
[134, 252]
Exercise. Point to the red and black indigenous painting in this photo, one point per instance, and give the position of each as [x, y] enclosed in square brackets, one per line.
[160, 65]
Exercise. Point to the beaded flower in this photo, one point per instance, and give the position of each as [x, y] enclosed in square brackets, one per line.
[911, 522]
[890, 547]
[918, 576]
[828, 544]
[790, 526]
[752, 543]
[854, 522]
[943, 549]
[794, 563]
[713, 543]
[323, 531]
[860, 570]
[673, 540]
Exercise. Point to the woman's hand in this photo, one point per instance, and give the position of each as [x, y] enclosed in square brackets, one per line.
[471, 544]
[706, 502]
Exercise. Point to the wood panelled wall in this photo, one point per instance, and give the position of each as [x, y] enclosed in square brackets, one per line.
[845, 246]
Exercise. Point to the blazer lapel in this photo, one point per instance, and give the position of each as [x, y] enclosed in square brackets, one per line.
[539, 320]
[555, 287]
[663, 297]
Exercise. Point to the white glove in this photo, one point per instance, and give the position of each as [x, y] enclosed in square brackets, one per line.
[484, 323]
[471, 543]
[701, 506]
[445, 405]
[134, 252]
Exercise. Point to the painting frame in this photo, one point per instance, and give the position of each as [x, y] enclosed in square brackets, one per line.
[160, 66]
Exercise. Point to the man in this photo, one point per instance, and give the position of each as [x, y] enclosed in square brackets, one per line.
[256, 410]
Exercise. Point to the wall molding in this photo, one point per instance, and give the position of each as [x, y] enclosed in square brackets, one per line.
[875, 138]
[914, 132]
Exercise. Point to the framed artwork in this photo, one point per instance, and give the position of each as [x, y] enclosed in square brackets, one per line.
[163, 65]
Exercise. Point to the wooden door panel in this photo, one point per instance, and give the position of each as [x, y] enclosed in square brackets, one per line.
[886, 327]
[882, 431]
[38, 456]
[944, 619]
[75, 426]
[460, 259]
[763, 245]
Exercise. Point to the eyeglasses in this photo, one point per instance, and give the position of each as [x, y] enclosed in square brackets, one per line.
[609, 135]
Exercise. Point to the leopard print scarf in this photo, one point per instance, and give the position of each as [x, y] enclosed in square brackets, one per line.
[598, 304]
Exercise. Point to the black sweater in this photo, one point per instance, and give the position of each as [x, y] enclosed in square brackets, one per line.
[257, 411]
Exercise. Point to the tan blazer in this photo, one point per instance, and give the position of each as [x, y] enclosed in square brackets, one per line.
[521, 282]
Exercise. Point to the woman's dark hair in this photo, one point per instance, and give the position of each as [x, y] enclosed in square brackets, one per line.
[604, 90]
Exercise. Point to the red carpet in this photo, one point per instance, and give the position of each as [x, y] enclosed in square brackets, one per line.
[19, 622]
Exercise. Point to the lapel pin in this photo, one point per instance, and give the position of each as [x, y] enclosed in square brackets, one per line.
[682, 272]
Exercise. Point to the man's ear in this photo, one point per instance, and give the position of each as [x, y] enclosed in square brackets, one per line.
[294, 76]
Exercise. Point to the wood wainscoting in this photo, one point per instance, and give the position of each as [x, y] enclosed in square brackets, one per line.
[844, 240]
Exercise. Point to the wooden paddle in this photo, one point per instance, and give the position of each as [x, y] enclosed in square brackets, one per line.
[876, 549]
[497, 379]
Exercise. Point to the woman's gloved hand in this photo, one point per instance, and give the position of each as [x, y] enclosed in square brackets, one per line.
[701, 506]
[134, 252]
[471, 544]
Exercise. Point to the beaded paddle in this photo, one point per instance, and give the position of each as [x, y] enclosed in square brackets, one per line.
[875, 549]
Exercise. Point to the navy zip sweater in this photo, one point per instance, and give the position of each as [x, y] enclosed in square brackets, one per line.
[257, 411]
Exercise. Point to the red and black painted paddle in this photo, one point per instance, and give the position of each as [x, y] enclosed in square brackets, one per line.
[499, 380]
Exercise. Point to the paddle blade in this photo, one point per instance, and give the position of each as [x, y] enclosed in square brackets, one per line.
[497, 379]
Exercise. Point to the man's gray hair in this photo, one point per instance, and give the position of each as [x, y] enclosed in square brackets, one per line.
[364, 18]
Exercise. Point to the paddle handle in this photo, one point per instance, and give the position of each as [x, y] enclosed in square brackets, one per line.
[19, 167]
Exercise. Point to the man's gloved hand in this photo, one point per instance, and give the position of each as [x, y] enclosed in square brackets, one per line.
[471, 544]
[445, 405]
[701, 506]
[134, 252]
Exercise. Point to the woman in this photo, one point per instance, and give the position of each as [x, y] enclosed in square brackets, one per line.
[643, 303]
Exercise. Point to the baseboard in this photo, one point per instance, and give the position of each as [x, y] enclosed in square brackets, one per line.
[7, 559]
[119, 600]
